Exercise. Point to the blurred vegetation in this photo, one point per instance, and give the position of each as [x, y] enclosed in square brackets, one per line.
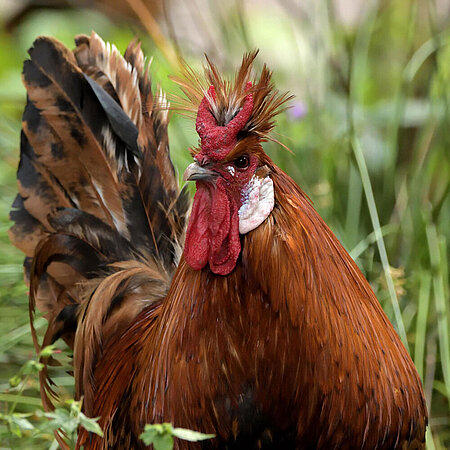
[368, 130]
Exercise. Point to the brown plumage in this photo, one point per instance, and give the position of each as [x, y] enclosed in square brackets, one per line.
[274, 340]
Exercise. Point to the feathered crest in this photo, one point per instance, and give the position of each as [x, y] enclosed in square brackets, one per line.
[230, 96]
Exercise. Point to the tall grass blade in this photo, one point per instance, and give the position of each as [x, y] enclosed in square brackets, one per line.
[421, 323]
[368, 192]
[436, 247]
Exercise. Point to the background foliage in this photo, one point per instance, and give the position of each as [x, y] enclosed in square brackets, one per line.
[368, 130]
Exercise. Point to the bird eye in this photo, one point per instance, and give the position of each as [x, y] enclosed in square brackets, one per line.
[242, 162]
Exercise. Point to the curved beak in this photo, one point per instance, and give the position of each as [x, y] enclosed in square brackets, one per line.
[195, 172]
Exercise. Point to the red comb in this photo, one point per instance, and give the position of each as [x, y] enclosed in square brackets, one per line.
[217, 141]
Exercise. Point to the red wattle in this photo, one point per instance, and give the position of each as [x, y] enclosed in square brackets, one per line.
[213, 231]
[196, 248]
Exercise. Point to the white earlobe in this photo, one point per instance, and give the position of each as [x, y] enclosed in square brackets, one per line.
[257, 203]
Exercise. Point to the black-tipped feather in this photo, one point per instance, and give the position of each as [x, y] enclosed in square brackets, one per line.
[119, 121]
[94, 232]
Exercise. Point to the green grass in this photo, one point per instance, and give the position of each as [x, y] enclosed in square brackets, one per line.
[372, 152]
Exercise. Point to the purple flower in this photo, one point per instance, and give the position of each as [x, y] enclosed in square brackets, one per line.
[298, 110]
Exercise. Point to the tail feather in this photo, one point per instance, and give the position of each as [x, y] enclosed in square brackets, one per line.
[94, 52]
[27, 231]
[165, 208]
[99, 214]
[97, 234]
[39, 189]
[116, 300]
[59, 90]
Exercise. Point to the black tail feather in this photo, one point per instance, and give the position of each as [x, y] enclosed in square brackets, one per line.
[99, 214]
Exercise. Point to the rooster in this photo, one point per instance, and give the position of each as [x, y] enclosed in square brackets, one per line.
[247, 320]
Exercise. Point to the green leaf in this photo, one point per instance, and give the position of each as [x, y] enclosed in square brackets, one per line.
[17, 422]
[15, 380]
[163, 442]
[15, 429]
[32, 366]
[160, 435]
[47, 351]
[90, 424]
[28, 368]
[23, 423]
[60, 418]
[75, 407]
[189, 435]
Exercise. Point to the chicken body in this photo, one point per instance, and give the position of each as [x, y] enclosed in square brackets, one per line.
[270, 356]
[263, 332]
